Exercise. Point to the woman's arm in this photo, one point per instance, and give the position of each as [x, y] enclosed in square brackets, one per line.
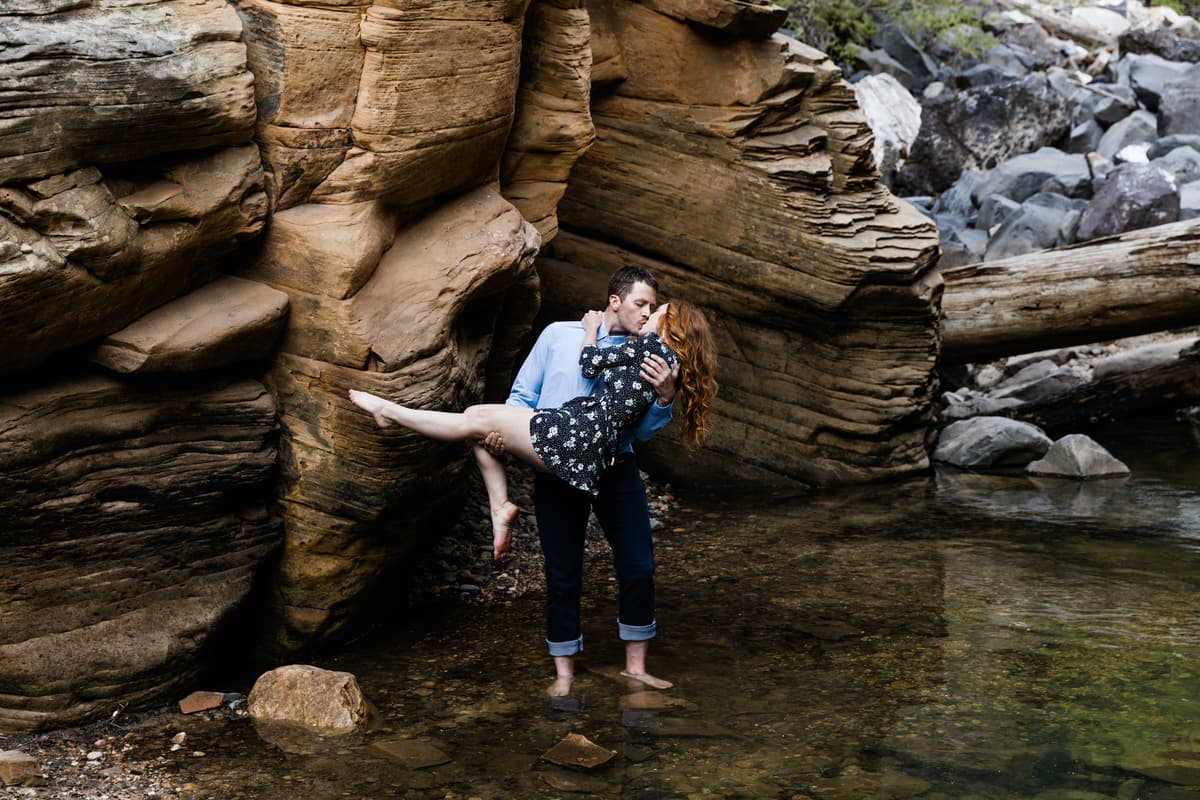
[593, 359]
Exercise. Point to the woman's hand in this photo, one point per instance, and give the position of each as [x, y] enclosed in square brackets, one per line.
[591, 322]
[591, 327]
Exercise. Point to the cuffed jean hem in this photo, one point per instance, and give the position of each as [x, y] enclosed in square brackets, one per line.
[565, 648]
[637, 633]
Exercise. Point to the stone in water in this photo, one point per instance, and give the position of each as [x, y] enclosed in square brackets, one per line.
[577, 751]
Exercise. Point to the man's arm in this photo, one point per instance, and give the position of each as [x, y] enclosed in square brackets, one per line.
[527, 386]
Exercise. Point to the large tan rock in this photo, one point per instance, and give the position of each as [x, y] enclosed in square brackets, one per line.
[307, 61]
[134, 519]
[751, 18]
[430, 315]
[76, 94]
[221, 323]
[553, 125]
[95, 249]
[435, 101]
[740, 171]
[322, 701]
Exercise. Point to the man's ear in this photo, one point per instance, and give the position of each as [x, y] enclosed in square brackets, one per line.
[614, 302]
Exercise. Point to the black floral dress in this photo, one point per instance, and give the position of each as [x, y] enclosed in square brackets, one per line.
[580, 440]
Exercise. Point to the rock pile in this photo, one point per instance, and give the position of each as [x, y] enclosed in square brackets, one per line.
[1071, 128]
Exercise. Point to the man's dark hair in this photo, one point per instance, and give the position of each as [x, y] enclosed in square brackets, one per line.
[622, 280]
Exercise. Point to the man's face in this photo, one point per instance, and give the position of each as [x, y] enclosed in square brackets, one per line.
[633, 311]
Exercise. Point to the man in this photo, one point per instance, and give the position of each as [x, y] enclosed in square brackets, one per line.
[549, 377]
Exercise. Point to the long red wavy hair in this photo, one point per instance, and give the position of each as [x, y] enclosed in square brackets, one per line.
[685, 330]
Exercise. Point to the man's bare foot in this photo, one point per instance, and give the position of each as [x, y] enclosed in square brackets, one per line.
[372, 405]
[648, 679]
[561, 686]
[502, 522]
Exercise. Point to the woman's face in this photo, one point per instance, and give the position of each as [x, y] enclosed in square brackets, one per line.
[655, 320]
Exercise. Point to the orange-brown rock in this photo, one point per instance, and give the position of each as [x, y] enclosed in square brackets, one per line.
[221, 323]
[426, 318]
[95, 248]
[740, 171]
[553, 126]
[78, 95]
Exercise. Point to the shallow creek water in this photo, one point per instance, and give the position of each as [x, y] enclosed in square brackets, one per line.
[960, 636]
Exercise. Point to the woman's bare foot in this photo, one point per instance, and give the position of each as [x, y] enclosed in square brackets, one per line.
[561, 686]
[648, 679]
[502, 522]
[372, 405]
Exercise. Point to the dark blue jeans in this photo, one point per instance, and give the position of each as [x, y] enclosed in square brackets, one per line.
[562, 515]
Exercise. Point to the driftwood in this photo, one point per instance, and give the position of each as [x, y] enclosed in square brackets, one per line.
[1060, 25]
[1140, 282]
[1161, 375]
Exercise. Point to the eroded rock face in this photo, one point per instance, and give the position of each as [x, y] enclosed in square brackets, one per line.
[439, 318]
[132, 521]
[180, 83]
[740, 171]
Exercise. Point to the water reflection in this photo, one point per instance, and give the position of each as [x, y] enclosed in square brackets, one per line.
[959, 637]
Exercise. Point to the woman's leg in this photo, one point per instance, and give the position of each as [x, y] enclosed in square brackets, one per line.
[504, 513]
[476, 422]
[511, 422]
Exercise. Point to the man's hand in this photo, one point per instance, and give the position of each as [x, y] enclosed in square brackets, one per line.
[660, 377]
[493, 443]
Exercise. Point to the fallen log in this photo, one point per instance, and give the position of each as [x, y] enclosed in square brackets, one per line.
[1162, 374]
[1060, 25]
[1139, 282]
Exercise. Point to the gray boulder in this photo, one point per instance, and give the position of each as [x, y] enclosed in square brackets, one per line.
[984, 74]
[958, 201]
[1012, 58]
[1111, 102]
[1085, 137]
[968, 243]
[879, 62]
[1179, 106]
[1168, 143]
[1182, 164]
[995, 209]
[1023, 176]
[983, 442]
[894, 116]
[1077, 456]
[980, 128]
[897, 44]
[1189, 200]
[1133, 196]
[1042, 222]
[1160, 41]
[1041, 389]
[1149, 76]
[1138, 127]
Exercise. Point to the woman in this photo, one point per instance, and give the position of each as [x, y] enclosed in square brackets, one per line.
[578, 441]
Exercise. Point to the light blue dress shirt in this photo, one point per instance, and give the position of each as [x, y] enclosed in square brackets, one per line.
[551, 376]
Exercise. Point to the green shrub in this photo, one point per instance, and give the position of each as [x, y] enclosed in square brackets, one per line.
[835, 25]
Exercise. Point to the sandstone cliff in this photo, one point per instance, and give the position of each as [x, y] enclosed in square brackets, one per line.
[737, 166]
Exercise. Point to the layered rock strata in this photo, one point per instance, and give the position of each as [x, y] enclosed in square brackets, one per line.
[134, 513]
[740, 171]
[133, 519]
